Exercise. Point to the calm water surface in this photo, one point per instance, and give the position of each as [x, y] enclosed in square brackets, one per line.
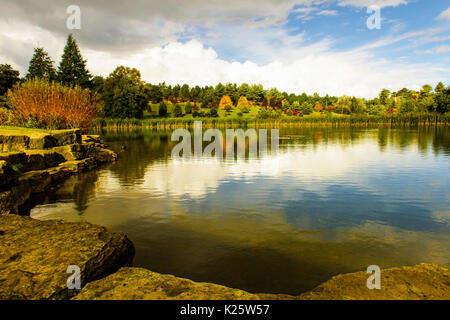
[331, 201]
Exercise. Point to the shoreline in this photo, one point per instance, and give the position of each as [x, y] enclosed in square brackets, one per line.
[33, 161]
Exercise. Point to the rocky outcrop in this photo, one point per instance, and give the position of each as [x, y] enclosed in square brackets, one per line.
[35, 255]
[26, 170]
[15, 140]
[423, 281]
[142, 284]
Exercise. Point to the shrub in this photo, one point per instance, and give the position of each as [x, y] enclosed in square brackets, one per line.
[177, 112]
[52, 105]
[162, 111]
[245, 110]
[6, 117]
[188, 108]
[318, 107]
[228, 108]
[213, 113]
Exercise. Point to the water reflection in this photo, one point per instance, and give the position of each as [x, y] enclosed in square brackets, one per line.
[331, 201]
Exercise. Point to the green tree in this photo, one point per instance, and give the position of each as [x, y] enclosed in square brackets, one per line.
[97, 84]
[440, 88]
[343, 105]
[177, 112]
[384, 96]
[185, 92]
[188, 108]
[72, 69]
[442, 100]
[155, 94]
[408, 106]
[124, 94]
[8, 78]
[41, 66]
[162, 110]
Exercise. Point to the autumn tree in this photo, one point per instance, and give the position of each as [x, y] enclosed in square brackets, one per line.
[225, 101]
[318, 107]
[242, 103]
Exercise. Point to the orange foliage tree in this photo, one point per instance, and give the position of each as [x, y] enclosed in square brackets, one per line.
[225, 101]
[53, 105]
[318, 107]
[242, 103]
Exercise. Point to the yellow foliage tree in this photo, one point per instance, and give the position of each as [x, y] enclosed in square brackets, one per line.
[242, 103]
[225, 101]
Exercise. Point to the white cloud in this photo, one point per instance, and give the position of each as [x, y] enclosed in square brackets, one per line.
[269, 54]
[325, 72]
[437, 50]
[328, 13]
[445, 15]
[367, 3]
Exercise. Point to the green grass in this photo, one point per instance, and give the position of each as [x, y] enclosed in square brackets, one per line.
[233, 120]
[20, 130]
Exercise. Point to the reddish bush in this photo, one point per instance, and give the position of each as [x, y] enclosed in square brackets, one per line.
[52, 105]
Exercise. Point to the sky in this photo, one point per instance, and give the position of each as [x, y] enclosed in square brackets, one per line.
[322, 46]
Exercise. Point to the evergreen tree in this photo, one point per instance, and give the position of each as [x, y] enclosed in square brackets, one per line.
[41, 66]
[72, 69]
[8, 77]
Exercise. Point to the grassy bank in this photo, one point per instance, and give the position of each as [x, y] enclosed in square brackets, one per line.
[400, 120]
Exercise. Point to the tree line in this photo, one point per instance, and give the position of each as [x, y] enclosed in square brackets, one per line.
[123, 94]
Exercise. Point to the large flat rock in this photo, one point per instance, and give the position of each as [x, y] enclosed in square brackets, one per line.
[142, 284]
[35, 255]
[12, 140]
[421, 282]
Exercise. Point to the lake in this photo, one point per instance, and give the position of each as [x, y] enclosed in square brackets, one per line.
[330, 201]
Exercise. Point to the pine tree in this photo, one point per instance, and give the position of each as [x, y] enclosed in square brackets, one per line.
[72, 69]
[8, 77]
[41, 66]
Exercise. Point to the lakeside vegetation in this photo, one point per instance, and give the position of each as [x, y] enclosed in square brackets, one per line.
[71, 97]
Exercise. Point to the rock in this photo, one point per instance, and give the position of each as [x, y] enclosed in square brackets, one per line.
[80, 165]
[10, 143]
[421, 282]
[65, 137]
[424, 281]
[142, 284]
[105, 155]
[15, 140]
[14, 158]
[59, 173]
[7, 174]
[42, 159]
[35, 255]
[36, 181]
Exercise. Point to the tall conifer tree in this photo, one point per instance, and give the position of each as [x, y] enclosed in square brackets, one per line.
[41, 66]
[72, 69]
